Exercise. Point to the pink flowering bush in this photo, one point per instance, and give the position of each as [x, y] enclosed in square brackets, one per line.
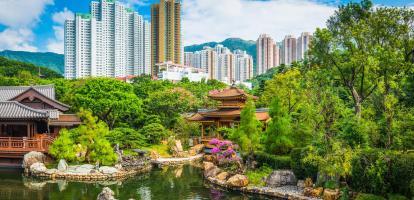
[225, 154]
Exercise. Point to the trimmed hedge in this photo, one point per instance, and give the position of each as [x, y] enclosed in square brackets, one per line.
[302, 170]
[273, 161]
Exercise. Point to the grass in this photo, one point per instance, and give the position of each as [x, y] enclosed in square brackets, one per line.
[256, 177]
[161, 149]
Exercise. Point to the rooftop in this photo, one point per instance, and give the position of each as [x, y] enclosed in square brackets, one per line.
[9, 92]
[16, 110]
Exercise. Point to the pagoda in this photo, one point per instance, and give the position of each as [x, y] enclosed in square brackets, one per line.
[231, 101]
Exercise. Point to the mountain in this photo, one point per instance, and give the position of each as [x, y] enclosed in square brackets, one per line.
[13, 68]
[49, 60]
[232, 43]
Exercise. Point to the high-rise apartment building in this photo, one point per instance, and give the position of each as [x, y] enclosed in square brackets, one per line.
[110, 41]
[302, 46]
[166, 33]
[265, 53]
[288, 50]
[276, 55]
[222, 64]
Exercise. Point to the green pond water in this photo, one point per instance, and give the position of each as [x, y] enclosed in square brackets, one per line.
[183, 182]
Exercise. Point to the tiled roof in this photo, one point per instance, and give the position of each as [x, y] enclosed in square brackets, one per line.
[9, 92]
[16, 110]
[229, 93]
[261, 114]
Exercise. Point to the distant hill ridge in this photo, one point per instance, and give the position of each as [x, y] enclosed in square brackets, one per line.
[49, 60]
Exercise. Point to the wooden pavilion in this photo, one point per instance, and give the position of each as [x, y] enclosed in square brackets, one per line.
[227, 114]
[30, 117]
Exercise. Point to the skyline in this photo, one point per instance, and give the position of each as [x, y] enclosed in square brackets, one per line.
[40, 28]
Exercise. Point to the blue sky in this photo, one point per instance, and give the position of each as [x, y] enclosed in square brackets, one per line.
[37, 25]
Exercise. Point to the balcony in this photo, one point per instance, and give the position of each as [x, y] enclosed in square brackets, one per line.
[15, 147]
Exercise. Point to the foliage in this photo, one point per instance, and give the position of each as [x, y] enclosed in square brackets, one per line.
[247, 134]
[363, 196]
[112, 101]
[225, 155]
[85, 143]
[126, 138]
[301, 168]
[396, 197]
[154, 132]
[273, 161]
[52, 61]
[278, 135]
[9, 68]
[257, 176]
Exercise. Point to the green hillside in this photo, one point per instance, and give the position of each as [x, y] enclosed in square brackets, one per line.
[49, 60]
[232, 43]
[12, 68]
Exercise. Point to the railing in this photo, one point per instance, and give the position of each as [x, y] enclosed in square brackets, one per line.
[23, 144]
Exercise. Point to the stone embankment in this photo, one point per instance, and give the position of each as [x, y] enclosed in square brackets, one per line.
[159, 162]
[278, 184]
[85, 172]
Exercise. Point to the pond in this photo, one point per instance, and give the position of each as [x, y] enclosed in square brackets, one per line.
[184, 182]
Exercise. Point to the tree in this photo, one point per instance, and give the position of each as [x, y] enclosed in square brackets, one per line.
[169, 104]
[85, 143]
[112, 101]
[278, 137]
[247, 135]
[154, 133]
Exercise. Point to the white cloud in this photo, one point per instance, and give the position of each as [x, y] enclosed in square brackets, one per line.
[60, 17]
[132, 3]
[19, 17]
[216, 20]
[56, 44]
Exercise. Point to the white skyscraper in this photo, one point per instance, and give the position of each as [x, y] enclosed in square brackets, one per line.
[111, 41]
[244, 66]
[265, 53]
[302, 45]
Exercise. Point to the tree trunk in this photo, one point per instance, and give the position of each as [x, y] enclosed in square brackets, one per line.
[357, 102]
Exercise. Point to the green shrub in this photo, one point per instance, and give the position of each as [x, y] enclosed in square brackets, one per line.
[396, 197]
[301, 169]
[402, 173]
[363, 196]
[412, 187]
[154, 133]
[126, 138]
[273, 161]
[256, 177]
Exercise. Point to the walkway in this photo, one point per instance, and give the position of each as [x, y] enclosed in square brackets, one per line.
[175, 161]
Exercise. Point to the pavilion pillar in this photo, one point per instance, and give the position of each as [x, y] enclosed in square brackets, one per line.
[202, 131]
[28, 129]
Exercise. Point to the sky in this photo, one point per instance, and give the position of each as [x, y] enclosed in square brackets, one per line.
[37, 25]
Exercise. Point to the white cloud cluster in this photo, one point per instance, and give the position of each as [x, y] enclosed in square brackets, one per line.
[19, 17]
[216, 20]
[57, 44]
[132, 3]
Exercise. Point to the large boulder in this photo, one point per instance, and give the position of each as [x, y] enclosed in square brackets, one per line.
[38, 167]
[81, 169]
[33, 157]
[108, 170]
[280, 178]
[238, 180]
[62, 166]
[313, 192]
[207, 165]
[222, 176]
[106, 194]
[212, 172]
[329, 194]
[154, 155]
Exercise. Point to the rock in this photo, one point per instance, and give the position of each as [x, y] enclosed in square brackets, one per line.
[207, 165]
[38, 168]
[212, 172]
[308, 182]
[51, 171]
[118, 166]
[301, 184]
[178, 145]
[106, 194]
[222, 176]
[198, 148]
[108, 170]
[84, 169]
[33, 157]
[313, 192]
[280, 178]
[329, 194]
[238, 180]
[62, 166]
[154, 155]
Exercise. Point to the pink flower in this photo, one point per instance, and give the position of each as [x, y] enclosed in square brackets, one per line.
[215, 150]
[214, 141]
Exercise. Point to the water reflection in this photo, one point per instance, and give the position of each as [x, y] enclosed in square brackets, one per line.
[183, 182]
